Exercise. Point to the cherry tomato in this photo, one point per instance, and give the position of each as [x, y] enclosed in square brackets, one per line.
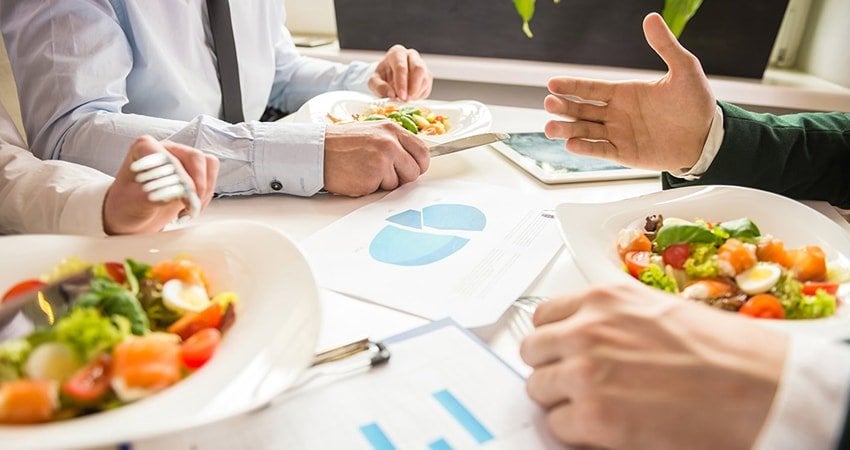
[636, 262]
[90, 383]
[22, 288]
[192, 323]
[812, 287]
[676, 255]
[199, 348]
[116, 272]
[763, 306]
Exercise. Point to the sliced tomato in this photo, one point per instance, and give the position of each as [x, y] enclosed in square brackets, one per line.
[676, 255]
[22, 288]
[191, 323]
[763, 306]
[199, 348]
[116, 272]
[636, 262]
[90, 383]
[812, 287]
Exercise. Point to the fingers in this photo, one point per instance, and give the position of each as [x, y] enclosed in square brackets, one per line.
[550, 386]
[662, 40]
[587, 89]
[194, 163]
[557, 309]
[416, 148]
[380, 87]
[212, 177]
[572, 109]
[420, 79]
[402, 75]
[556, 129]
[596, 149]
[397, 60]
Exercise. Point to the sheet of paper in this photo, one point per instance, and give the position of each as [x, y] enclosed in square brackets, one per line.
[439, 249]
[442, 389]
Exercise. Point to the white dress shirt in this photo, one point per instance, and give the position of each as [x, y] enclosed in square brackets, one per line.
[46, 196]
[95, 74]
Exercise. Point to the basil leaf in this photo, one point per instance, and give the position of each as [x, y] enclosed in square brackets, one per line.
[740, 229]
[683, 234]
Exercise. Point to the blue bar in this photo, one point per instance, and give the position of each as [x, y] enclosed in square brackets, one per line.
[376, 437]
[463, 416]
[439, 444]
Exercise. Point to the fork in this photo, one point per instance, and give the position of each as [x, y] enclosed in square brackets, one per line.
[163, 182]
[525, 307]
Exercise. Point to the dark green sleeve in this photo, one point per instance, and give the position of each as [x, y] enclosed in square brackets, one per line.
[803, 156]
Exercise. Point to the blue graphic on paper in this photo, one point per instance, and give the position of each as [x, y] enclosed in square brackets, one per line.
[413, 246]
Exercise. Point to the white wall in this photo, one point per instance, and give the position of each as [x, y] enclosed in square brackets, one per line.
[311, 16]
[824, 51]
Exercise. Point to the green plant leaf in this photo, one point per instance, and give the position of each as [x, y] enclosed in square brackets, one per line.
[677, 13]
[525, 9]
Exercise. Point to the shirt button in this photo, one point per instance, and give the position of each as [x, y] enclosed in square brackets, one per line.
[276, 185]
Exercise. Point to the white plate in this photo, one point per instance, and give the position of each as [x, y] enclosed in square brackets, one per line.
[465, 117]
[590, 232]
[269, 345]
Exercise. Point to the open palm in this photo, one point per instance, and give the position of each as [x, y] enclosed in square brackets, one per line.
[660, 124]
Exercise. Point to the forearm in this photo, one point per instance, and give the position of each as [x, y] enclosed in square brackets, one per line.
[803, 156]
[49, 196]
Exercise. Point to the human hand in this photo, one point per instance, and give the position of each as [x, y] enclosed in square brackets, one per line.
[126, 208]
[401, 75]
[658, 125]
[362, 157]
[631, 367]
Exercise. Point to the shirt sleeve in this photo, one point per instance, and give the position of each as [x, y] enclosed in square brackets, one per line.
[709, 150]
[86, 91]
[300, 78]
[810, 405]
[48, 196]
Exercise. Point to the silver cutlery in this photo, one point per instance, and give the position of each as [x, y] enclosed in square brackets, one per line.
[164, 182]
[465, 143]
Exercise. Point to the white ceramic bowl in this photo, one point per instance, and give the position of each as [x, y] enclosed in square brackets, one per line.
[590, 232]
[465, 117]
[270, 344]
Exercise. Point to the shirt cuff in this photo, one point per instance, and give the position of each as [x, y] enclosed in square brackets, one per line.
[290, 158]
[709, 150]
[83, 211]
[810, 404]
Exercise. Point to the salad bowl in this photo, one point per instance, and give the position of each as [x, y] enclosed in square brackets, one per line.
[590, 232]
[263, 353]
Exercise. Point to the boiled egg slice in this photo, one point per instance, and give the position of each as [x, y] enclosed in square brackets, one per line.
[182, 297]
[759, 278]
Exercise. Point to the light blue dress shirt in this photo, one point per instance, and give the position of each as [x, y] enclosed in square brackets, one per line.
[93, 75]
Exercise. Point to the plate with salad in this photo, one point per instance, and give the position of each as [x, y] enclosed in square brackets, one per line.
[129, 337]
[741, 250]
[433, 121]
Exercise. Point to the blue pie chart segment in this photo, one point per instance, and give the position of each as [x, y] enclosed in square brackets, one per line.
[410, 218]
[403, 247]
[454, 217]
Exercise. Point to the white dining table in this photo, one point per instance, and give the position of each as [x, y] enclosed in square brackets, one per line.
[346, 319]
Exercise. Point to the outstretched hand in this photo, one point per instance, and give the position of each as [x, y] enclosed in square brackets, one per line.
[657, 125]
[126, 208]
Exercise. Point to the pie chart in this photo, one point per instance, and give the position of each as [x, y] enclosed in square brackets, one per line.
[418, 238]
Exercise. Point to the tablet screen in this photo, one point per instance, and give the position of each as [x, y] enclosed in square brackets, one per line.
[550, 162]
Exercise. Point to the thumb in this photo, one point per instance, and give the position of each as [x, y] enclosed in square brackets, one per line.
[665, 44]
